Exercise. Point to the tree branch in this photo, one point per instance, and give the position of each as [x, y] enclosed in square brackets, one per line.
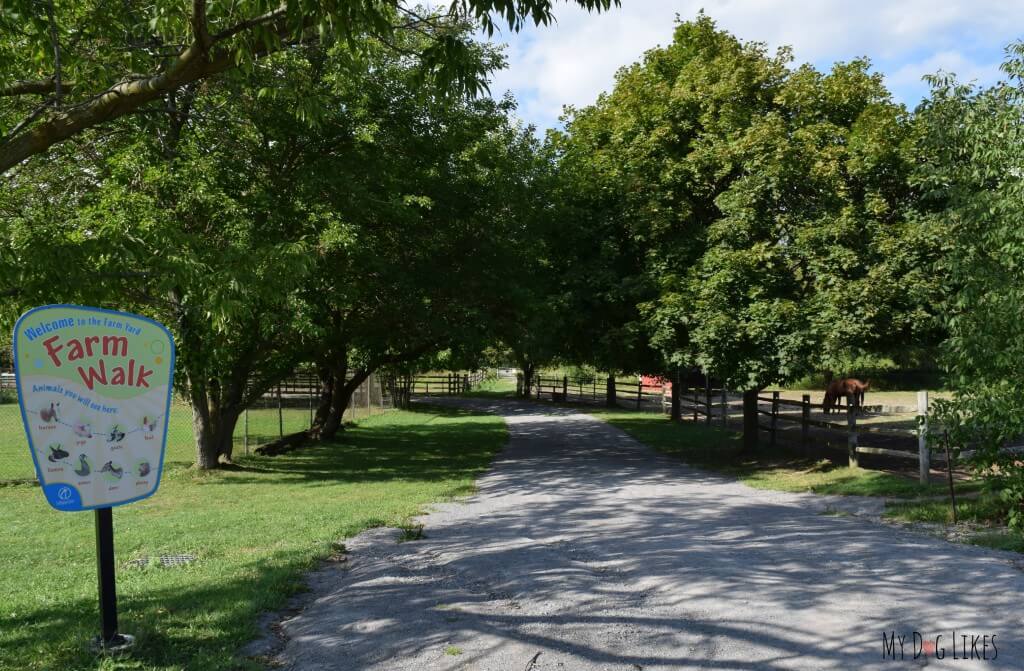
[58, 89]
[198, 61]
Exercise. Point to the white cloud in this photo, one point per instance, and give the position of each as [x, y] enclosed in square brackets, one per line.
[574, 60]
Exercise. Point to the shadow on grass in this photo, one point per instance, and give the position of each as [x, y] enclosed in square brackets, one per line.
[254, 543]
[780, 468]
[186, 627]
[439, 443]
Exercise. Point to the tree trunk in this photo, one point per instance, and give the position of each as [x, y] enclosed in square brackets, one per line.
[528, 371]
[214, 429]
[677, 411]
[750, 420]
[343, 390]
[323, 407]
[610, 399]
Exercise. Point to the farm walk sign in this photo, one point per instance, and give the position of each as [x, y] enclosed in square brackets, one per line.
[94, 388]
[95, 391]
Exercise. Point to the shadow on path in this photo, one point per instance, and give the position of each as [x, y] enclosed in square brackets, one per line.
[597, 553]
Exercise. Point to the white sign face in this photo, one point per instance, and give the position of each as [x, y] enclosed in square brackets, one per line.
[94, 387]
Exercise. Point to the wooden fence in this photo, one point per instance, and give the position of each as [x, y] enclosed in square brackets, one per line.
[907, 444]
[445, 384]
[708, 403]
[580, 390]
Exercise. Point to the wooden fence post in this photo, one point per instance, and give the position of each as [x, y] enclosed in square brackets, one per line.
[245, 425]
[924, 456]
[538, 386]
[775, 415]
[280, 414]
[639, 392]
[565, 388]
[610, 398]
[725, 409]
[696, 400]
[851, 434]
[805, 427]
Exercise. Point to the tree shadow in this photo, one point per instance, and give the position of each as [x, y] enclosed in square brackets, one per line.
[583, 544]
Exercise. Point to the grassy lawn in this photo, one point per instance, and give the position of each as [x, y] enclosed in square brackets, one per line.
[497, 388]
[16, 460]
[255, 530]
[716, 450]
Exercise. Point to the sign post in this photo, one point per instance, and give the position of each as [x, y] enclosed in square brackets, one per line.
[94, 387]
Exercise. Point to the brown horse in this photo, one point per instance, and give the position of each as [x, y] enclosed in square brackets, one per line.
[849, 387]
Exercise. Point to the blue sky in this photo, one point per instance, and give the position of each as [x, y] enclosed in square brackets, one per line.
[574, 60]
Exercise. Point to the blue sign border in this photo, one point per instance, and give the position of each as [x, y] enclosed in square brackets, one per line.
[48, 491]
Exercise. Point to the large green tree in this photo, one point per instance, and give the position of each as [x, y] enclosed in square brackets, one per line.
[972, 184]
[70, 65]
[767, 207]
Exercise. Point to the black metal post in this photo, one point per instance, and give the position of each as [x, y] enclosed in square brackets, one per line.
[105, 571]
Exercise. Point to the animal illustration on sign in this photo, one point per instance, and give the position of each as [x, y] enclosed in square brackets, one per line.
[84, 469]
[143, 469]
[116, 434]
[57, 453]
[116, 471]
[49, 414]
[83, 430]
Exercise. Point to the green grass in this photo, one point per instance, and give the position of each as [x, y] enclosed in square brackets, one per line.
[255, 530]
[720, 451]
[16, 459]
[985, 518]
[496, 388]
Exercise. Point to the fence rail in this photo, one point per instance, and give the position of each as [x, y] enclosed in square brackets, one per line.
[897, 443]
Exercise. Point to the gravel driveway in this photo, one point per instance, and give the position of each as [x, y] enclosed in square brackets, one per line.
[585, 550]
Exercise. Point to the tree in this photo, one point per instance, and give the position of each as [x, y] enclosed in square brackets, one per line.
[768, 208]
[972, 184]
[73, 66]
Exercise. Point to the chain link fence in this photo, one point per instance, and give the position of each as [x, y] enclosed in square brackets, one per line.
[287, 408]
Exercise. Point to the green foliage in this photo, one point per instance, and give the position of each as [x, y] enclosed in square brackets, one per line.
[974, 189]
[73, 65]
[756, 214]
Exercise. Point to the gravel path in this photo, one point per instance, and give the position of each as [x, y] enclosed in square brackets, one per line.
[585, 550]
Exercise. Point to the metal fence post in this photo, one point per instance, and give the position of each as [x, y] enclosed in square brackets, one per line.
[775, 416]
[924, 456]
[851, 435]
[280, 414]
[707, 402]
[805, 427]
